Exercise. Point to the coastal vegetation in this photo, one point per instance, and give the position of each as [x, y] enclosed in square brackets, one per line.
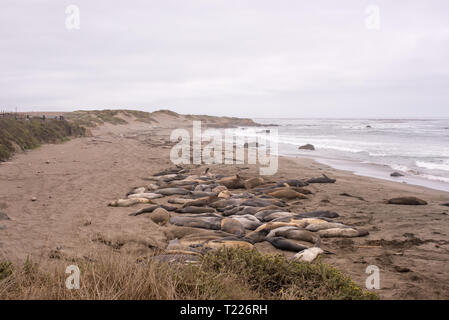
[28, 134]
[222, 274]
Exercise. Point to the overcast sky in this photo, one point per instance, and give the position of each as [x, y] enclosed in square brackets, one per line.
[259, 58]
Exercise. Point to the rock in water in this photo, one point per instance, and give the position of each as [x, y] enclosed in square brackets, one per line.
[307, 147]
[160, 216]
[411, 201]
[396, 174]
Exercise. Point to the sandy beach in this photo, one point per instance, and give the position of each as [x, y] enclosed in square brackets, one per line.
[74, 181]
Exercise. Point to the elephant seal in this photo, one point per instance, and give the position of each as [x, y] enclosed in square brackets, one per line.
[318, 214]
[292, 183]
[242, 195]
[205, 222]
[145, 195]
[152, 187]
[159, 216]
[248, 221]
[241, 210]
[232, 226]
[298, 234]
[277, 215]
[235, 182]
[274, 232]
[262, 203]
[194, 209]
[323, 226]
[128, 202]
[200, 201]
[287, 194]
[218, 244]
[253, 182]
[323, 179]
[263, 213]
[341, 233]
[308, 255]
[202, 194]
[152, 208]
[172, 191]
[219, 189]
[136, 190]
[223, 203]
[224, 194]
[412, 201]
[284, 244]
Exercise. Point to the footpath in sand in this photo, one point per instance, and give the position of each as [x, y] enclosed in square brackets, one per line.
[74, 181]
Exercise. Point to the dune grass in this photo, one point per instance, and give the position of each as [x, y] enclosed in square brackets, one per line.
[29, 134]
[224, 274]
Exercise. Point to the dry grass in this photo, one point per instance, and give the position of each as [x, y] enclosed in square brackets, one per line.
[226, 274]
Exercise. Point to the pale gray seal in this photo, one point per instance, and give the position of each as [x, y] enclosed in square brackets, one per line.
[341, 233]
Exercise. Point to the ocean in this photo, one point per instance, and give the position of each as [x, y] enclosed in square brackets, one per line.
[419, 149]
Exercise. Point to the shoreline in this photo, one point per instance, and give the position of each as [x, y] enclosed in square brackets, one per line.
[377, 171]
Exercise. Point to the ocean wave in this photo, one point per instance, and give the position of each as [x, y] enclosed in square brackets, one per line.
[435, 178]
[433, 166]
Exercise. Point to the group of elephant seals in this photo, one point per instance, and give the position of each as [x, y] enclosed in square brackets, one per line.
[208, 215]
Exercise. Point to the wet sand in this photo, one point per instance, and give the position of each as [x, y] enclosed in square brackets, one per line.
[74, 181]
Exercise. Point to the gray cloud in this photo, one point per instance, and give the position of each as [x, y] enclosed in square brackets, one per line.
[284, 58]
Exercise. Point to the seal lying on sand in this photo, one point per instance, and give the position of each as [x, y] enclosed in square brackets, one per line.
[323, 226]
[218, 244]
[172, 191]
[205, 222]
[294, 233]
[248, 221]
[152, 208]
[194, 209]
[323, 179]
[235, 182]
[136, 190]
[284, 244]
[287, 194]
[262, 203]
[413, 201]
[277, 215]
[145, 195]
[128, 202]
[308, 255]
[318, 214]
[201, 201]
[253, 182]
[263, 213]
[232, 226]
[240, 210]
[225, 203]
[342, 233]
